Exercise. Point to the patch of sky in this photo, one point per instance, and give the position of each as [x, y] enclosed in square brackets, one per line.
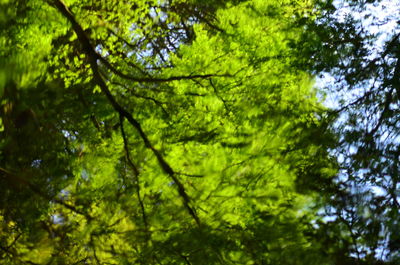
[36, 163]
[57, 219]
[379, 19]
[84, 174]
[66, 133]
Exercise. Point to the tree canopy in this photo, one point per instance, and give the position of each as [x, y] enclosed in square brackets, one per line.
[190, 132]
[364, 74]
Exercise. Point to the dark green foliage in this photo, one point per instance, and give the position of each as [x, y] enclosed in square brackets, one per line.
[364, 63]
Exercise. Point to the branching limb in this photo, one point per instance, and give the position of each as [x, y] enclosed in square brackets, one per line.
[157, 102]
[93, 57]
[386, 109]
[92, 116]
[135, 171]
[153, 79]
[219, 96]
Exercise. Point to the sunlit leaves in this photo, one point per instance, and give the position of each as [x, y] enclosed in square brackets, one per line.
[172, 110]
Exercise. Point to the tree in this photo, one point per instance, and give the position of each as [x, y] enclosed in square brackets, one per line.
[358, 47]
[160, 132]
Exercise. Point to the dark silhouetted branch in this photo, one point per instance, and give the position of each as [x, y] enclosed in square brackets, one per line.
[93, 58]
[135, 171]
[153, 79]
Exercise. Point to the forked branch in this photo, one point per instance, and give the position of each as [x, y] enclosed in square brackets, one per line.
[93, 57]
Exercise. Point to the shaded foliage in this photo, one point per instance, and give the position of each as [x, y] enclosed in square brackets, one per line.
[357, 54]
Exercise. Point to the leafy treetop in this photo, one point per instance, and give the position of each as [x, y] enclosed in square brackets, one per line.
[159, 132]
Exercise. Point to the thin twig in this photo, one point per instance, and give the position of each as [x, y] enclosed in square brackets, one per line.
[154, 79]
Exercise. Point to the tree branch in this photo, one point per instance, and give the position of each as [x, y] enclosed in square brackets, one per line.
[153, 79]
[135, 171]
[93, 57]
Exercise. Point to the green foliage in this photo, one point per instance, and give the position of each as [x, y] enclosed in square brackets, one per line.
[160, 132]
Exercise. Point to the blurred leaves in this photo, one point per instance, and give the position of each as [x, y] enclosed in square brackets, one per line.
[157, 113]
